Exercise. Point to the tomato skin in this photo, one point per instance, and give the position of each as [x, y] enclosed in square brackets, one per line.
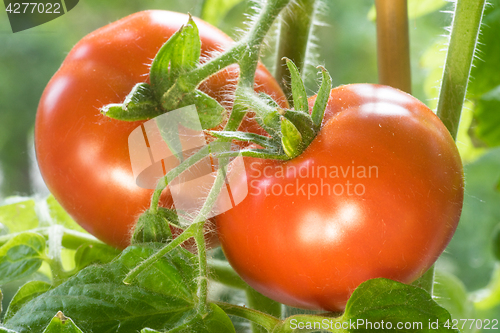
[83, 156]
[313, 252]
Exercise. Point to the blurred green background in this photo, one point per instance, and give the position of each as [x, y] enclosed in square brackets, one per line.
[345, 43]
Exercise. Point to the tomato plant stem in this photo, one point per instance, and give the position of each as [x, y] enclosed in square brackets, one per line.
[463, 39]
[172, 174]
[266, 321]
[185, 235]
[222, 272]
[71, 239]
[250, 58]
[295, 28]
[260, 302]
[190, 80]
[393, 47]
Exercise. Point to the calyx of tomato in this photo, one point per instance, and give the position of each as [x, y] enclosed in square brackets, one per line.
[179, 55]
[154, 226]
[290, 130]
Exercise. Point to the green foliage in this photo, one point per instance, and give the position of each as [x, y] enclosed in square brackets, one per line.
[25, 294]
[61, 324]
[390, 301]
[21, 256]
[97, 300]
[379, 305]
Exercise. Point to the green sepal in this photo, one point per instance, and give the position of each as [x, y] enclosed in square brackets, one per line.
[291, 138]
[261, 140]
[269, 154]
[187, 52]
[210, 112]
[159, 74]
[298, 89]
[171, 216]
[318, 111]
[180, 53]
[152, 226]
[304, 124]
[139, 104]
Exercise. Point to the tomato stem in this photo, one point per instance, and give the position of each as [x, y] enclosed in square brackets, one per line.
[175, 172]
[185, 235]
[189, 81]
[266, 321]
[465, 30]
[250, 59]
[260, 302]
[71, 239]
[393, 46]
[295, 28]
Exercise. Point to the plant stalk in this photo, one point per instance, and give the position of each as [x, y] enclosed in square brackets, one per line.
[465, 30]
[266, 321]
[250, 59]
[295, 28]
[393, 46]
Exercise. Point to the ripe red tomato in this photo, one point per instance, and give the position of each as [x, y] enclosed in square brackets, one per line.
[83, 156]
[378, 193]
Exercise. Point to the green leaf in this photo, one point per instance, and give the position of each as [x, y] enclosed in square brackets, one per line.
[298, 88]
[261, 140]
[140, 104]
[416, 8]
[21, 256]
[291, 139]
[304, 124]
[19, 216]
[318, 111]
[210, 112]
[25, 294]
[487, 117]
[89, 254]
[5, 330]
[215, 10]
[62, 324]
[98, 301]
[385, 300]
[216, 321]
[186, 54]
